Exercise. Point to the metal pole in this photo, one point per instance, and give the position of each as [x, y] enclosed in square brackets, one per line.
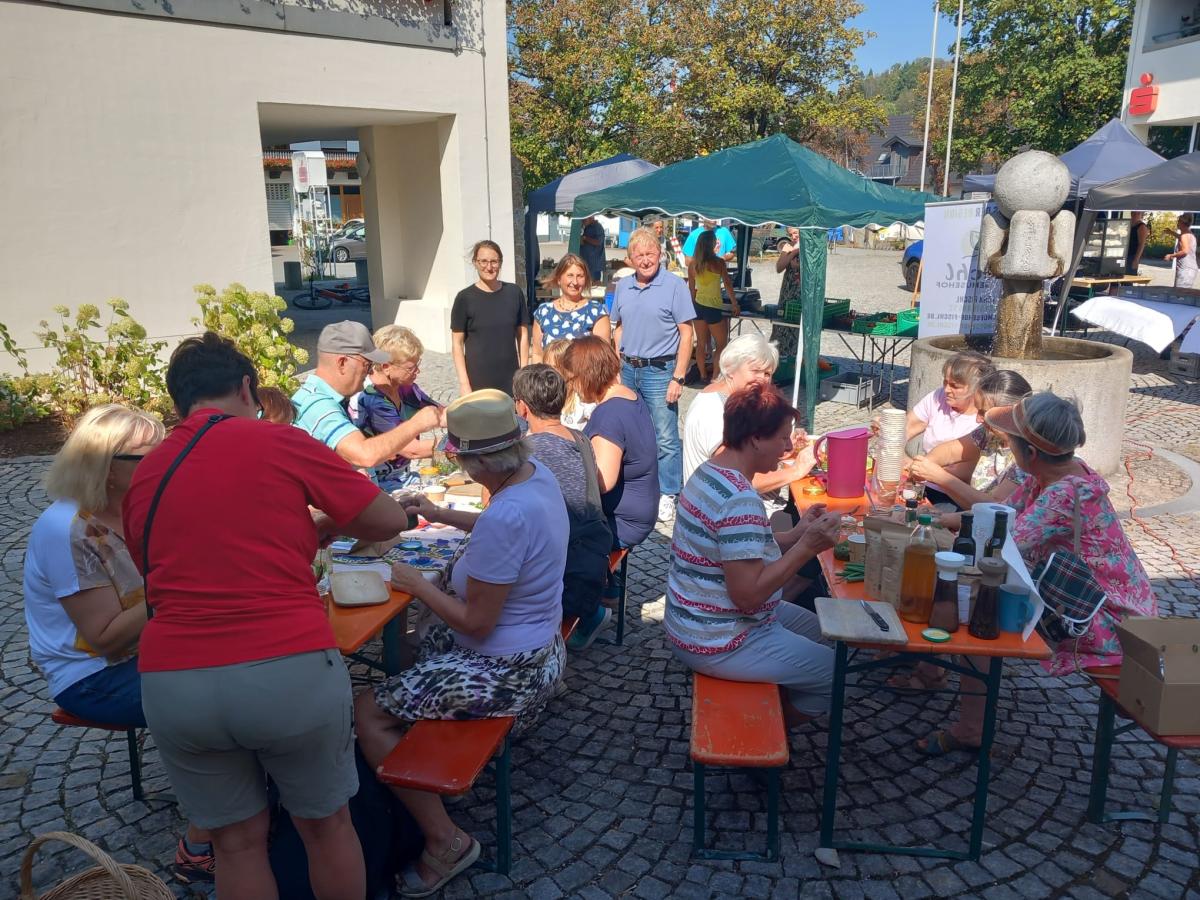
[953, 92]
[929, 92]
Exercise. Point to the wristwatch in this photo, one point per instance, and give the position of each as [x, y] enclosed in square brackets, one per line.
[678, 380]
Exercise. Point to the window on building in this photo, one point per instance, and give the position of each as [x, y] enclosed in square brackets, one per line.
[1169, 140]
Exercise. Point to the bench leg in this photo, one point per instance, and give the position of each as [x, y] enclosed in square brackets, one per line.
[773, 814]
[1168, 785]
[1101, 757]
[621, 599]
[697, 808]
[503, 811]
[135, 763]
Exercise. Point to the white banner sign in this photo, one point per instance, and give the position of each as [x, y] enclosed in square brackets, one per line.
[956, 296]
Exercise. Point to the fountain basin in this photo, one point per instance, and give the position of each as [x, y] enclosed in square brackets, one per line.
[1095, 374]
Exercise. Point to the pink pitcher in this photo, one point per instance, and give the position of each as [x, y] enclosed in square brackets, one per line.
[847, 468]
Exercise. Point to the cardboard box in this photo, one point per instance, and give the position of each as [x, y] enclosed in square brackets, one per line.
[1160, 675]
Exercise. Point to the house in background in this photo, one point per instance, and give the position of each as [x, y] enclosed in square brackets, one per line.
[345, 185]
[893, 157]
[138, 130]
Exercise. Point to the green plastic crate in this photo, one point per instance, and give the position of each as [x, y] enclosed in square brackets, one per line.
[834, 307]
[905, 324]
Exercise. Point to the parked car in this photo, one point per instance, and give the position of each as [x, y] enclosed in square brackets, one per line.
[910, 264]
[352, 245]
[773, 237]
[347, 226]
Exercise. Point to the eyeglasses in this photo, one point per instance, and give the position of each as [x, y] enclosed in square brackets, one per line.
[488, 263]
[130, 457]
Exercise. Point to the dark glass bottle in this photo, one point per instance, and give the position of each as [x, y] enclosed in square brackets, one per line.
[910, 512]
[944, 614]
[965, 543]
[985, 617]
[995, 543]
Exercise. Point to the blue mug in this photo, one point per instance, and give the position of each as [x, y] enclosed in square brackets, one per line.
[1016, 607]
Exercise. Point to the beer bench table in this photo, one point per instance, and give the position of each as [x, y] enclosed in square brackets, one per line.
[354, 626]
[916, 649]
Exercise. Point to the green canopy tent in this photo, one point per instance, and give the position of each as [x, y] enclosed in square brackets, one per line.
[771, 180]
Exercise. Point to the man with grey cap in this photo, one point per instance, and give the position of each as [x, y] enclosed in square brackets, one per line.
[345, 353]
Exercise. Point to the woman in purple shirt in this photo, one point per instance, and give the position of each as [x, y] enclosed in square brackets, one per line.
[623, 439]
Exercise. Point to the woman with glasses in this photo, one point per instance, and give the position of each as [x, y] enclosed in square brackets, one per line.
[391, 397]
[85, 606]
[489, 324]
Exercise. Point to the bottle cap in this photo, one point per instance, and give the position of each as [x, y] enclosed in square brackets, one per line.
[937, 635]
[949, 561]
[911, 503]
[925, 519]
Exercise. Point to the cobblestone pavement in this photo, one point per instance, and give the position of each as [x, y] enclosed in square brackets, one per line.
[602, 786]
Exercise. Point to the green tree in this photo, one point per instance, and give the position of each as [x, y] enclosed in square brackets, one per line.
[1043, 75]
[667, 79]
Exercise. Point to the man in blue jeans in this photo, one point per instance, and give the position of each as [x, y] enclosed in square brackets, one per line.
[652, 317]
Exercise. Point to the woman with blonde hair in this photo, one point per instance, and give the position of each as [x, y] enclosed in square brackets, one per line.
[572, 314]
[391, 397]
[85, 604]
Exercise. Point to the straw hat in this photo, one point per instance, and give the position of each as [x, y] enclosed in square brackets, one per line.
[1015, 420]
[481, 422]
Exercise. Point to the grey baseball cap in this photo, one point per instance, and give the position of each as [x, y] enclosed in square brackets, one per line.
[350, 339]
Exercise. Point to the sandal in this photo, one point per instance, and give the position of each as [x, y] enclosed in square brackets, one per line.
[410, 884]
[940, 742]
[916, 683]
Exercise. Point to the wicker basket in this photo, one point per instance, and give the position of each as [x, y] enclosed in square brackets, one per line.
[109, 880]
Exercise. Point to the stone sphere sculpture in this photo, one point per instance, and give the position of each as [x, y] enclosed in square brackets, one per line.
[1026, 240]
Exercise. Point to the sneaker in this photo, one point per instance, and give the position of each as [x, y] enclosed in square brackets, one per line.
[666, 508]
[192, 867]
[584, 637]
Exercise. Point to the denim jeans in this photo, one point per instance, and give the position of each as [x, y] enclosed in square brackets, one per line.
[650, 383]
[112, 696]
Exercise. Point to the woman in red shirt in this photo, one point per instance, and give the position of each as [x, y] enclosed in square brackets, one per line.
[241, 677]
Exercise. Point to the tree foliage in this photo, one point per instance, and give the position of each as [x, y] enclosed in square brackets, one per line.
[901, 87]
[667, 79]
[1042, 75]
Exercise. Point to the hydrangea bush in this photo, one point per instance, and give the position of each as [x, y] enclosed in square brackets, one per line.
[251, 320]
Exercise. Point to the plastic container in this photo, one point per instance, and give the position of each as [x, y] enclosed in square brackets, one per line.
[920, 573]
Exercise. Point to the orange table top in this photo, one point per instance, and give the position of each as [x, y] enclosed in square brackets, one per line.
[834, 504]
[353, 626]
[1007, 645]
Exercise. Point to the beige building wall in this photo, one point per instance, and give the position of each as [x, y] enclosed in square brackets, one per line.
[1174, 63]
[133, 148]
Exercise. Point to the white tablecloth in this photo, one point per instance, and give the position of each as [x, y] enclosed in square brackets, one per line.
[1153, 323]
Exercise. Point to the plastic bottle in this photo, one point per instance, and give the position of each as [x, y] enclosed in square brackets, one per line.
[920, 572]
[985, 617]
[944, 613]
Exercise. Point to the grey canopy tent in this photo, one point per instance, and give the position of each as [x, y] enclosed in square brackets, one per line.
[559, 196]
[770, 180]
[1111, 152]
[1168, 186]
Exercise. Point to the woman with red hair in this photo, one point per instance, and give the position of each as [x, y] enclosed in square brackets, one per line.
[725, 616]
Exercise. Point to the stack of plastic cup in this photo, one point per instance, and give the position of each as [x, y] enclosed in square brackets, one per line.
[889, 447]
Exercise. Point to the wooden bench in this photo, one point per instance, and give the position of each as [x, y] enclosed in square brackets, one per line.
[1106, 731]
[736, 724]
[619, 559]
[62, 717]
[446, 756]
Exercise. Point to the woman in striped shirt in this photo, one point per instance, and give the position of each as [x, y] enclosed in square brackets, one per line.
[725, 616]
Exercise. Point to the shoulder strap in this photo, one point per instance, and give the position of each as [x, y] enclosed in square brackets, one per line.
[1077, 524]
[162, 486]
[589, 467]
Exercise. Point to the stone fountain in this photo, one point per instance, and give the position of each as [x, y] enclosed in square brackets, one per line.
[1025, 241]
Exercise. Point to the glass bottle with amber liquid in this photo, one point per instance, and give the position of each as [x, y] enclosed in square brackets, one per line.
[985, 616]
[920, 573]
[944, 614]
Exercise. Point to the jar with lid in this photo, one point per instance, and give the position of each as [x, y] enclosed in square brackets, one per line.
[985, 617]
[847, 526]
[944, 614]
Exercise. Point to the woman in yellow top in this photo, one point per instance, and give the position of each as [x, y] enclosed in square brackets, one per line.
[706, 272]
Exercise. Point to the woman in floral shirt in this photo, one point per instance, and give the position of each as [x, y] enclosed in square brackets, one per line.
[1044, 431]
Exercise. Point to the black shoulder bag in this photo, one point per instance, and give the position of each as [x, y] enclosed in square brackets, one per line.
[589, 544]
[162, 486]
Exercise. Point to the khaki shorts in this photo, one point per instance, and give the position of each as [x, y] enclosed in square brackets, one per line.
[222, 730]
